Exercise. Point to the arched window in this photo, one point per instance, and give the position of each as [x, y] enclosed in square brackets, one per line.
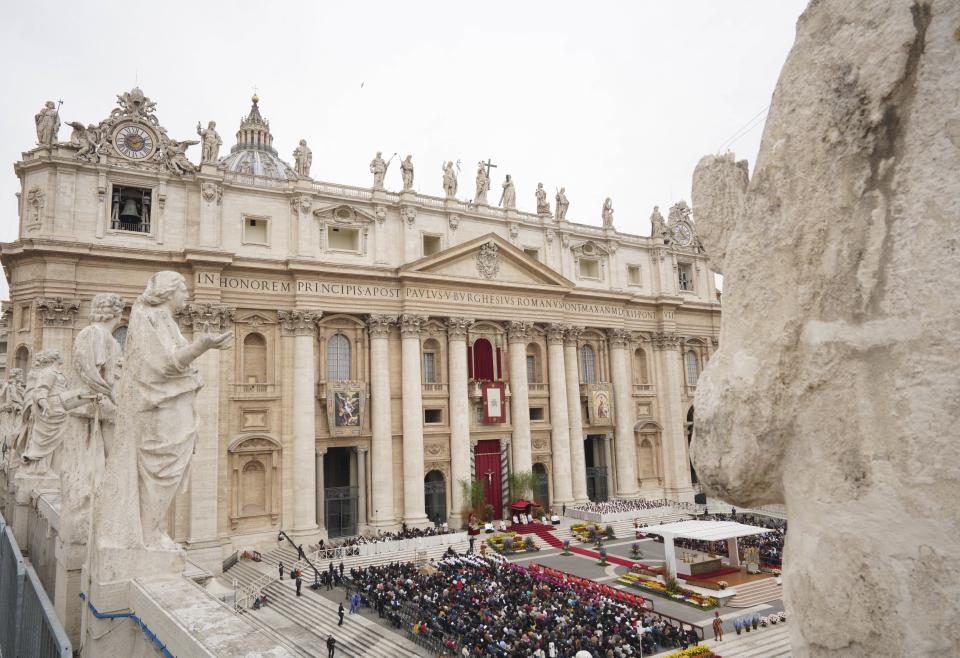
[255, 359]
[120, 335]
[338, 358]
[431, 362]
[482, 359]
[588, 364]
[693, 368]
[254, 488]
[533, 364]
[22, 359]
[640, 374]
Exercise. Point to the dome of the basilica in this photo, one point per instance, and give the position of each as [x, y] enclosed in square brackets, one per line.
[254, 153]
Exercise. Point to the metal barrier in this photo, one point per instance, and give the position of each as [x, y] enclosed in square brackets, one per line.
[29, 627]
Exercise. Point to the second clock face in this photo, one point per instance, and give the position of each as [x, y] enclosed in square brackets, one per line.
[682, 234]
[134, 142]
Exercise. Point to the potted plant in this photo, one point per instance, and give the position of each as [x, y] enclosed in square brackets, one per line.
[755, 621]
[635, 550]
[737, 625]
[508, 544]
[529, 545]
[566, 547]
[603, 557]
[610, 533]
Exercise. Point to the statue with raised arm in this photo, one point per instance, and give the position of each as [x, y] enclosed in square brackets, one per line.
[606, 214]
[508, 198]
[406, 171]
[302, 159]
[658, 227]
[449, 180]
[47, 121]
[562, 204]
[483, 185]
[176, 155]
[43, 424]
[156, 427]
[97, 358]
[378, 167]
[211, 143]
[543, 206]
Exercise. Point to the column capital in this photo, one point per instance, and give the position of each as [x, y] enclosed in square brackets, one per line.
[56, 311]
[571, 334]
[619, 338]
[321, 452]
[519, 331]
[556, 333]
[665, 340]
[299, 322]
[457, 328]
[379, 325]
[209, 317]
[410, 325]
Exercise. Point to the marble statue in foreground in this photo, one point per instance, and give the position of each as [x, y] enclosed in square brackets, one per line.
[835, 388]
[44, 422]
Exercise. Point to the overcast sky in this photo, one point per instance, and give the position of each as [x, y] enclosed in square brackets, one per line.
[606, 99]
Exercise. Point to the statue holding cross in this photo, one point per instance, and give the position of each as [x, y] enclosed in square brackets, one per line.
[483, 182]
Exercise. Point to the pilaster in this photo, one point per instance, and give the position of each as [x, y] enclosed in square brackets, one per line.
[518, 335]
[413, 498]
[624, 415]
[578, 462]
[459, 414]
[559, 415]
[381, 414]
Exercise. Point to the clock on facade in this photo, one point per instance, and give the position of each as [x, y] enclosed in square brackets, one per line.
[682, 234]
[134, 142]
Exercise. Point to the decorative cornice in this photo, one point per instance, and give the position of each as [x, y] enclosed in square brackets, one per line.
[208, 317]
[519, 331]
[299, 322]
[410, 325]
[378, 326]
[56, 311]
[556, 333]
[571, 335]
[457, 328]
[663, 340]
[619, 338]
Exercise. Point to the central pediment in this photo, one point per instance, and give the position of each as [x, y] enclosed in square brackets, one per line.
[487, 258]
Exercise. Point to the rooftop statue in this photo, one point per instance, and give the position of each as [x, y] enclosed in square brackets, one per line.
[48, 124]
[562, 204]
[210, 139]
[302, 159]
[406, 171]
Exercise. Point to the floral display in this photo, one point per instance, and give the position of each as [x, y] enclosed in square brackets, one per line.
[698, 651]
[689, 597]
[511, 542]
[590, 532]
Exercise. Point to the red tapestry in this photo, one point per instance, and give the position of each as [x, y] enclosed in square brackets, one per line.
[487, 459]
[494, 401]
[482, 359]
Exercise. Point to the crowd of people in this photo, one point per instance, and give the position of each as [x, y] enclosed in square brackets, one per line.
[345, 545]
[477, 606]
[769, 545]
[613, 506]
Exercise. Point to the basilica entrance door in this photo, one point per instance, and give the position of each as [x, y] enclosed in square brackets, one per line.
[595, 457]
[340, 494]
[435, 497]
[487, 460]
[541, 493]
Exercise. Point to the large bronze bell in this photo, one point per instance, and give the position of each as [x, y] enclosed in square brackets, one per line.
[129, 212]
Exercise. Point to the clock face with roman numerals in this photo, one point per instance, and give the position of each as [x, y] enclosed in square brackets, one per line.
[682, 234]
[134, 142]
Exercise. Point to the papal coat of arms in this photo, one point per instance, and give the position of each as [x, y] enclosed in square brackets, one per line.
[487, 263]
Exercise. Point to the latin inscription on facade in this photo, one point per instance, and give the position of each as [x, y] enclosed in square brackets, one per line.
[373, 291]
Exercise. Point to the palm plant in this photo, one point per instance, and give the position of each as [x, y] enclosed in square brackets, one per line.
[522, 484]
[473, 498]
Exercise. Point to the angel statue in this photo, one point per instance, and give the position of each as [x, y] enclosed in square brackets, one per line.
[86, 139]
[176, 155]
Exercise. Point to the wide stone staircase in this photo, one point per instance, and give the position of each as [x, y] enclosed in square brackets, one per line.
[306, 621]
[759, 591]
[769, 642]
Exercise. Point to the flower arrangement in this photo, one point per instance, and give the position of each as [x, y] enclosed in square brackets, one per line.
[566, 547]
[737, 625]
[635, 550]
[603, 557]
[587, 532]
[698, 651]
[504, 542]
[722, 584]
[634, 579]
[755, 621]
[529, 545]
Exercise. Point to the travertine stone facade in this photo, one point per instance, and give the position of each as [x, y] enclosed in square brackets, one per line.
[368, 328]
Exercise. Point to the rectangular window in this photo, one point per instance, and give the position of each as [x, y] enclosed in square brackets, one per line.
[532, 253]
[429, 368]
[432, 416]
[589, 268]
[130, 209]
[431, 245]
[633, 275]
[343, 239]
[256, 230]
[479, 411]
[685, 276]
[24, 322]
[536, 413]
[531, 369]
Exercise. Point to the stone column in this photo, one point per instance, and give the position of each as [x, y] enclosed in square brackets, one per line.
[381, 444]
[202, 530]
[733, 551]
[321, 494]
[518, 335]
[361, 487]
[413, 501]
[559, 416]
[623, 414]
[608, 463]
[459, 414]
[670, 383]
[578, 462]
[302, 325]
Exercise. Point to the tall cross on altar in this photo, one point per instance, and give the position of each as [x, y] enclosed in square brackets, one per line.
[488, 165]
[489, 475]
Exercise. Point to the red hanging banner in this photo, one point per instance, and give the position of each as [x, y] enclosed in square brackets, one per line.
[494, 403]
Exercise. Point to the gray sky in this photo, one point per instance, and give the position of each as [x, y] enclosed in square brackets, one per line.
[607, 99]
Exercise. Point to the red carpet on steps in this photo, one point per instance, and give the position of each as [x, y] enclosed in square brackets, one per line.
[545, 533]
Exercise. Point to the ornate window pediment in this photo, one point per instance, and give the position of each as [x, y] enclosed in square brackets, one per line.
[590, 249]
[342, 214]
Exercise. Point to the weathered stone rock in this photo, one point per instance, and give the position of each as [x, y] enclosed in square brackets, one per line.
[835, 388]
